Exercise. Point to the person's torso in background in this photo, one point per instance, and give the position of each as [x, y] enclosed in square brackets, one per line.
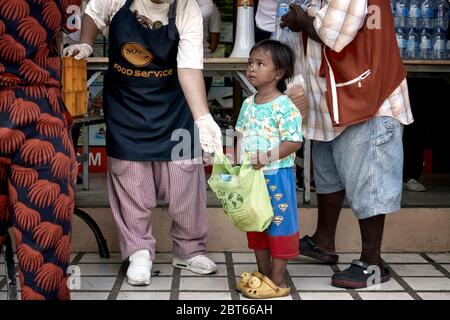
[207, 8]
[30, 38]
[266, 15]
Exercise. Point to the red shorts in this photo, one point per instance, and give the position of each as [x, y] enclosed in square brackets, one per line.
[281, 247]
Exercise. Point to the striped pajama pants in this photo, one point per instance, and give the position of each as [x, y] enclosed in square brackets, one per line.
[135, 186]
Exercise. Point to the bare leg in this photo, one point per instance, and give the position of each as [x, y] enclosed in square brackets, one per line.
[278, 277]
[329, 209]
[372, 236]
[263, 259]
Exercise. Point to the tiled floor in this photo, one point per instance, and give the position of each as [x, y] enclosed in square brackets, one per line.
[416, 276]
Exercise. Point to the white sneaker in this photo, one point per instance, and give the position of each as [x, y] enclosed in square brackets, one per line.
[415, 186]
[199, 264]
[139, 271]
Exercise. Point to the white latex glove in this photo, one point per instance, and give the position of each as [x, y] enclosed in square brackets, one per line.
[210, 133]
[78, 51]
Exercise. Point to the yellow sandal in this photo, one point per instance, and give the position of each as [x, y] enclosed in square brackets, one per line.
[261, 287]
[244, 278]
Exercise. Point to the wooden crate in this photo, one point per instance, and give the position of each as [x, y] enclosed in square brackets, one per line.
[74, 86]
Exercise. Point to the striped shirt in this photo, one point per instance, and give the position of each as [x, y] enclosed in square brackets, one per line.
[337, 22]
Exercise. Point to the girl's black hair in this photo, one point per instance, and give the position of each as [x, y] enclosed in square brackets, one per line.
[283, 58]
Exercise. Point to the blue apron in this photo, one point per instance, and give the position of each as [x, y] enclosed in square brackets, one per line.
[143, 101]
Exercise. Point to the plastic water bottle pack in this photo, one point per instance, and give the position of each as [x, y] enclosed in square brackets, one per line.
[421, 27]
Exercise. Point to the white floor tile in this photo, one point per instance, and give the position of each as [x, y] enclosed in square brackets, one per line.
[100, 269]
[217, 257]
[221, 271]
[244, 257]
[385, 296]
[415, 270]
[2, 258]
[143, 296]
[440, 257]
[435, 296]
[4, 295]
[391, 285]
[240, 268]
[403, 258]
[309, 270]
[2, 287]
[203, 284]
[97, 283]
[95, 258]
[347, 258]
[425, 284]
[89, 295]
[164, 269]
[205, 296]
[289, 297]
[314, 284]
[325, 296]
[158, 283]
[73, 255]
[163, 257]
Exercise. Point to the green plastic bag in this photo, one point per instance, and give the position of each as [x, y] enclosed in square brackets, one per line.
[243, 193]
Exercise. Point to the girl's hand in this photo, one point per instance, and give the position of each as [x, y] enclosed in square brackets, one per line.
[298, 97]
[259, 160]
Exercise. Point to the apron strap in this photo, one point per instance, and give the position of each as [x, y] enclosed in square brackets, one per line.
[172, 16]
[128, 4]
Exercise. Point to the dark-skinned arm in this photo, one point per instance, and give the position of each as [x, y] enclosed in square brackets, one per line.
[298, 20]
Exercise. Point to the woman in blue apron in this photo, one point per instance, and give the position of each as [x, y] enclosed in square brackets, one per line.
[151, 141]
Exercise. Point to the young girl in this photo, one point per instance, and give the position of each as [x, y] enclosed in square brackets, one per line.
[270, 125]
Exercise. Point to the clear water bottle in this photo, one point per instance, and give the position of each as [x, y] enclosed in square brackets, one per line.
[305, 4]
[442, 14]
[302, 3]
[393, 6]
[426, 45]
[402, 13]
[412, 48]
[439, 44]
[415, 13]
[282, 9]
[402, 41]
[394, 12]
[428, 13]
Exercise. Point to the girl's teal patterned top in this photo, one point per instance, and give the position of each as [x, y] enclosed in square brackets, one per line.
[265, 126]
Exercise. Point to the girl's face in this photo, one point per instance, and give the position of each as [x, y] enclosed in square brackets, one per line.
[261, 71]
